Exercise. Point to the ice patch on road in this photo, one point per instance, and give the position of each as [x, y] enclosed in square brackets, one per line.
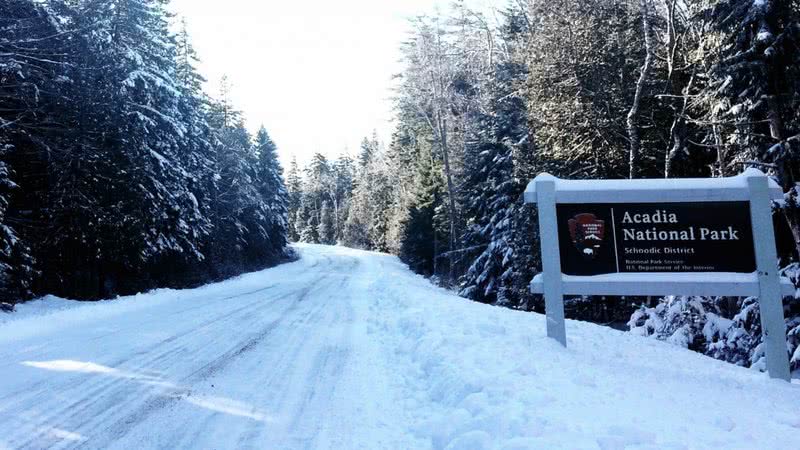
[227, 406]
[62, 435]
[66, 365]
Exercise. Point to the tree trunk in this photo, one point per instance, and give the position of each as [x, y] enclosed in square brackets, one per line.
[450, 193]
[633, 114]
[678, 131]
[792, 209]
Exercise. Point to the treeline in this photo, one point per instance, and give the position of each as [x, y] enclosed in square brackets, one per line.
[348, 200]
[118, 173]
[579, 89]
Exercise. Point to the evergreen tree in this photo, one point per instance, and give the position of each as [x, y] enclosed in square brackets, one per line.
[341, 184]
[330, 183]
[272, 188]
[16, 263]
[754, 91]
[197, 150]
[422, 233]
[309, 219]
[327, 225]
[294, 185]
[124, 205]
[370, 207]
[746, 109]
[356, 228]
[126, 177]
[369, 148]
[29, 94]
[493, 194]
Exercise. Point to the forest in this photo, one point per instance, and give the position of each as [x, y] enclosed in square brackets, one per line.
[118, 174]
[579, 89]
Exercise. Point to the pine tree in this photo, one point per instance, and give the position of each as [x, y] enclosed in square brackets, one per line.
[197, 148]
[370, 206]
[747, 107]
[754, 89]
[327, 225]
[494, 192]
[356, 228]
[239, 207]
[422, 233]
[123, 204]
[272, 188]
[294, 185]
[369, 148]
[125, 176]
[343, 183]
[32, 51]
[16, 263]
[309, 219]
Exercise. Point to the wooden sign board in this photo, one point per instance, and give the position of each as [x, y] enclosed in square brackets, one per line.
[661, 237]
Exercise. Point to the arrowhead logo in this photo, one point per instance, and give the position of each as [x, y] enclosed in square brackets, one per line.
[587, 232]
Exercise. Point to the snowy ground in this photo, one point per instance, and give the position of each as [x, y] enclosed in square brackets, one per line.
[346, 349]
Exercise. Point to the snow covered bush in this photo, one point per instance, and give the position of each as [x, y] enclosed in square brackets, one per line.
[689, 322]
[792, 313]
[740, 339]
[728, 329]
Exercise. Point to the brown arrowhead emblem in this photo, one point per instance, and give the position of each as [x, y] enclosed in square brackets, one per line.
[587, 232]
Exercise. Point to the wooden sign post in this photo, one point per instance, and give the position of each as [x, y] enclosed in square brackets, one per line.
[692, 236]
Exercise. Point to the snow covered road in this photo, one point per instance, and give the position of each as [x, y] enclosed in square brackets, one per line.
[347, 349]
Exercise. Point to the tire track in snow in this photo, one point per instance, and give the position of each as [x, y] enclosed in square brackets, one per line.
[192, 300]
[294, 344]
[282, 360]
[280, 369]
[303, 425]
[115, 428]
[100, 392]
[149, 348]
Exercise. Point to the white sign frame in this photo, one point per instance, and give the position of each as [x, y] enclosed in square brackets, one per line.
[753, 186]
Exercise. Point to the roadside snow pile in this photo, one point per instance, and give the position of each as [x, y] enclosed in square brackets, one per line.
[37, 307]
[480, 377]
[30, 318]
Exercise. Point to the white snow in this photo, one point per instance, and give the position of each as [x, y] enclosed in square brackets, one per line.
[663, 283]
[347, 349]
[733, 188]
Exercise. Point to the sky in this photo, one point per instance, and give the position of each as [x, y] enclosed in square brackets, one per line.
[316, 73]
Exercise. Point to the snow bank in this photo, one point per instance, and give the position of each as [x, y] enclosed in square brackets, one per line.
[480, 377]
[38, 307]
[51, 313]
[647, 189]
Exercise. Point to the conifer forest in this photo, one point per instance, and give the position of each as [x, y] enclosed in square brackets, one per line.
[120, 174]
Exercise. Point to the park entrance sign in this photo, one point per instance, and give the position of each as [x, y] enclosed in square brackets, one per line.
[662, 237]
[655, 237]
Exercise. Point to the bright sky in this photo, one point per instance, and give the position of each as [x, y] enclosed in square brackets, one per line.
[316, 73]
